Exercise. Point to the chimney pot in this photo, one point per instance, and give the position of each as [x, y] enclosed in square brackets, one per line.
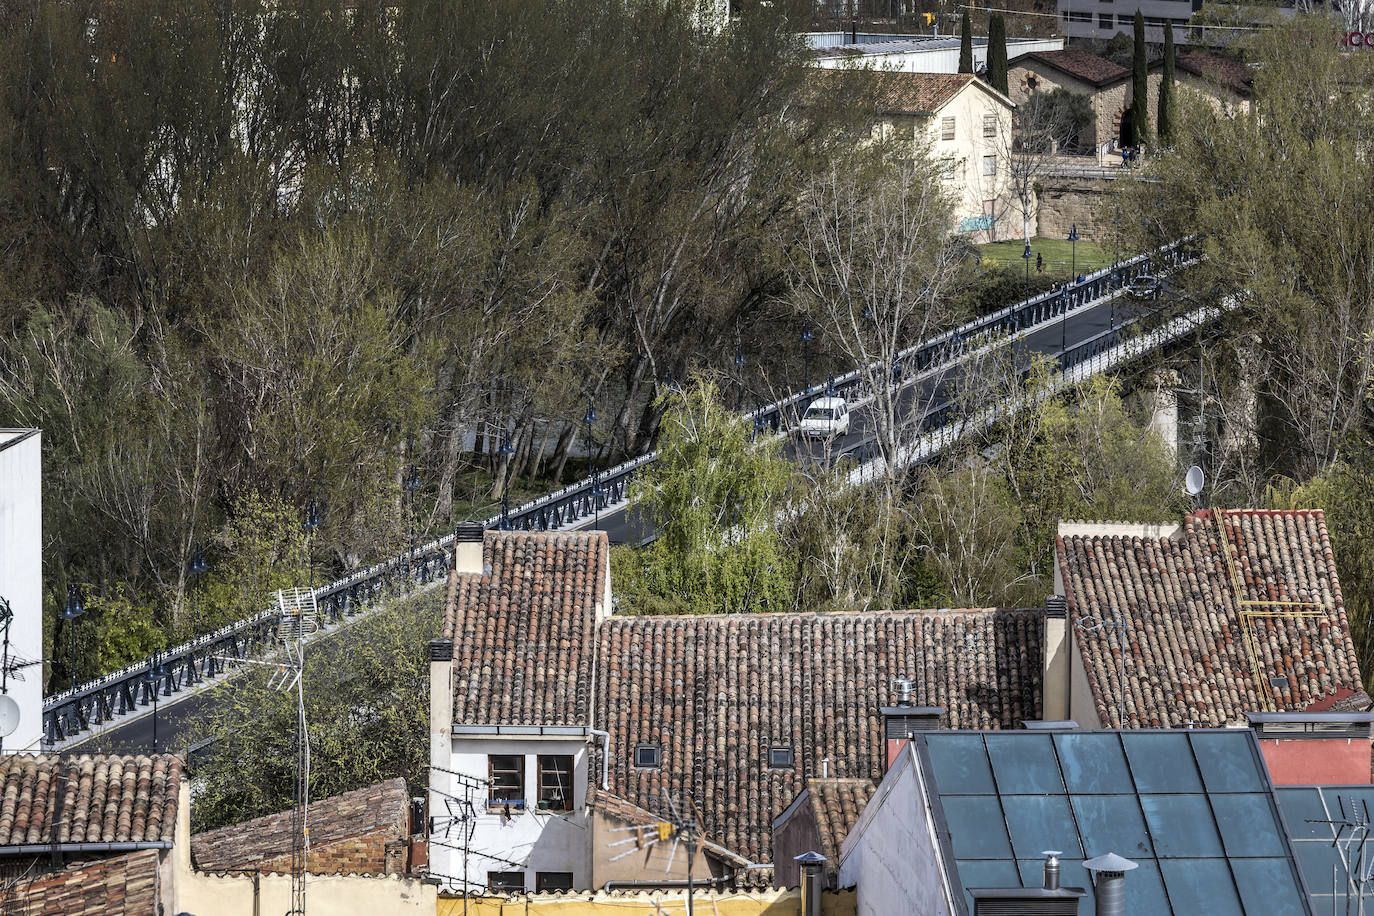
[467, 548]
[1051, 869]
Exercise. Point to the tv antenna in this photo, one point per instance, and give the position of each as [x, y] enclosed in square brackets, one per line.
[298, 617]
[1350, 840]
[681, 828]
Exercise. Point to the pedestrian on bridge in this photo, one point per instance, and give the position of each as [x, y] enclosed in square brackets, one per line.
[1039, 263]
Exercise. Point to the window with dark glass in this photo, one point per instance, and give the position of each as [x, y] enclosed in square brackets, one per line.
[555, 782]
[780, 758]
[553, 881]
[507, 775]
[647, 756]
[506, 882]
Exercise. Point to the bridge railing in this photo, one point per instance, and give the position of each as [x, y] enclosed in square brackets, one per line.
[194, 663]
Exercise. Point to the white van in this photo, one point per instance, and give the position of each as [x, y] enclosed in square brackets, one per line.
[826, 418]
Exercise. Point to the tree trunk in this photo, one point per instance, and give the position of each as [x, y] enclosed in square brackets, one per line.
[560, 453]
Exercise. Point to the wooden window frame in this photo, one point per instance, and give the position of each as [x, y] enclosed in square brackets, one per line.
[947, 128]
[548, 765]
[501, 797]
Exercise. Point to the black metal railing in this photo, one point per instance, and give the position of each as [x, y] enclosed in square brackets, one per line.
[69, 713]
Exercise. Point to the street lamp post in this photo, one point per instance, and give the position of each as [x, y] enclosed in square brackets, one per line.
[70, 613]
[1064, 316]
[1026, 256]
[806, 338]
[739, 371]
[412, 485]
[506, 450]
[312, 522]
[154, 680]
[589, 418]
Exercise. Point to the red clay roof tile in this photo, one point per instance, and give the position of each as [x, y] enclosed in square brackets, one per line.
[1234, 599]
[104, 798]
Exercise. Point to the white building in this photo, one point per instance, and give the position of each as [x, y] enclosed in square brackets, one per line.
[510, 734]
[912, 53]
[21, 577]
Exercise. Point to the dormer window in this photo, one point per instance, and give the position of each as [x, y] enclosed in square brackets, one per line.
[780, 758]
[648, 756]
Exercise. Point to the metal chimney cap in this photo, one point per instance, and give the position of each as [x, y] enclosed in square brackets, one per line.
[1052, 854]
[810, 858]
[1109, 862]
[469, 531]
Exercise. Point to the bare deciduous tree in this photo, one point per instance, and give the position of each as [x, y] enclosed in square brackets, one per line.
[875, 270]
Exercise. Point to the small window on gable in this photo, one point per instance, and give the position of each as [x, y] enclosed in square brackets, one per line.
[946, 128]
[989, 125]
[989, 165]
[780, 758]
[648, 756]
[947, 168]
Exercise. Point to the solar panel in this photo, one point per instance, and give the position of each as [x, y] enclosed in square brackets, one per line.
[1194, 810]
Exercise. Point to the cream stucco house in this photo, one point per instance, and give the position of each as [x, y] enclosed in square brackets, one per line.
[967, 125]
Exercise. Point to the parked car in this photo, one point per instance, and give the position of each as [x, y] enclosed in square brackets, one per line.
[826, 418]
[1145, 286]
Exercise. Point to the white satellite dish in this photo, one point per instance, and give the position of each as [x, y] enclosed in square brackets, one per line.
[1192, 483]
[9, 715]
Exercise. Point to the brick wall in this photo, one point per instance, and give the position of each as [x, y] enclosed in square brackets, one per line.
[365, 854]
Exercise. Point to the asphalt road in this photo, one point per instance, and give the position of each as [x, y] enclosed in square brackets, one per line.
[175, 721]
[1050, 338]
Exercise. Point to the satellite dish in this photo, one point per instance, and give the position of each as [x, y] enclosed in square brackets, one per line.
[1192, 483]
[9, 715]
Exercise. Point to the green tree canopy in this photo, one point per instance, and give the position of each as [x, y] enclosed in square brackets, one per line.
[1140, 86]
[997, 52]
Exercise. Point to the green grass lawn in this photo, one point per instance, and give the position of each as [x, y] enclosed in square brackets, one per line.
[1058, 254]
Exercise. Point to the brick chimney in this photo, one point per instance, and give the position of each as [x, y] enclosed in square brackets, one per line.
[902, 721]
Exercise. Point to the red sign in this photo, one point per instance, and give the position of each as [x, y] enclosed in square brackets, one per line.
[1358, 40]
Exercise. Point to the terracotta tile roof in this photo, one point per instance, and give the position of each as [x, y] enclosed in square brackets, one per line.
[125, 885]
[716, 692]
[88, 799]
[1200, 645]
[1089, 68]
[837, 804]
[352, 818]
[523, 634]
[898, 92]
[1219, 69]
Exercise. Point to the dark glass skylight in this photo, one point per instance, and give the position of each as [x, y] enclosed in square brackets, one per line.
[1192, 808]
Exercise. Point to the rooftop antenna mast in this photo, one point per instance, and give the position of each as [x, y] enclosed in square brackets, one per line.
[461, 815]
[682, 827]
[1351, 834]
[298, 617]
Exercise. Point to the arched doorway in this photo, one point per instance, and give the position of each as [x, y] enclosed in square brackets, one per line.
[1125, 134]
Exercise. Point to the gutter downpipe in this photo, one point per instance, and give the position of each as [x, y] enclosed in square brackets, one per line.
[605, 737]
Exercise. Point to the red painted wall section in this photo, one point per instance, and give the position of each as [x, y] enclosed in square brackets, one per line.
[894, 747]
[1317, 761]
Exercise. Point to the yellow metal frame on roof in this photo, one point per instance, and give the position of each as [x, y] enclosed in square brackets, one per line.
[1249, 618]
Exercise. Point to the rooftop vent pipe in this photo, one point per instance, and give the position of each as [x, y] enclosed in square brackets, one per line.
[1051, 869]
[1109, 878]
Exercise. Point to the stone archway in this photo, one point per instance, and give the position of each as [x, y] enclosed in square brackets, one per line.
[1124, 121]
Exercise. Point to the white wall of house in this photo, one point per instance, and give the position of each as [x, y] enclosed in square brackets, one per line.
[982, 125]
[529, 840]
[891, 855]
[21, 575]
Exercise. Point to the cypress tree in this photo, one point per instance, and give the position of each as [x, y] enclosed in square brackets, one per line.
[966, 45]
[1164, 119]
[997, 53]
[1140, 87]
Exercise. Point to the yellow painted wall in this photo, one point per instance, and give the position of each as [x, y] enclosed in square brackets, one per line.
[724, 903]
